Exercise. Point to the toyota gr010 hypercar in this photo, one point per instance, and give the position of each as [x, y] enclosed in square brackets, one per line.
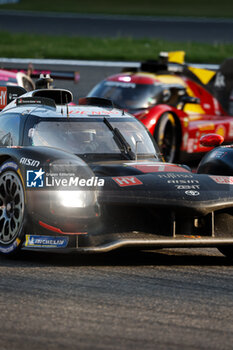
[89, 178]
[176, 102]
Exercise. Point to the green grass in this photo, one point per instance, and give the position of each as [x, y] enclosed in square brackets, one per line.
[214, 8]
[126, 49]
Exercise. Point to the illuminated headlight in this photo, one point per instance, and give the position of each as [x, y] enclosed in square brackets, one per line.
[76, 199]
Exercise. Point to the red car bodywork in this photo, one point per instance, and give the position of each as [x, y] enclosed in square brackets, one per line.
[193, 125]
[192, 120]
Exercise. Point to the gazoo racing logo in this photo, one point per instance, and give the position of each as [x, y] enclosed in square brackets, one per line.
[28, 161]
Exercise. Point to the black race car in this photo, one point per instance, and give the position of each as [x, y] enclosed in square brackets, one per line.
[89, 178]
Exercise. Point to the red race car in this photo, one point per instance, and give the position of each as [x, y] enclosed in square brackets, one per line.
[177, 103]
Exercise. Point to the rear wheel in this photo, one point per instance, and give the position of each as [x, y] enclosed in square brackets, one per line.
[12, 211]
[166, 137]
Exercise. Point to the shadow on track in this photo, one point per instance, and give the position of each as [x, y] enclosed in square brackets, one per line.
[165, 257]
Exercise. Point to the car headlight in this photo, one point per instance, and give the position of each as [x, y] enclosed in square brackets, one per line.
[76, 199]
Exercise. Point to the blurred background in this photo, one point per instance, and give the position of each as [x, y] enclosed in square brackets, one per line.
[125, 31]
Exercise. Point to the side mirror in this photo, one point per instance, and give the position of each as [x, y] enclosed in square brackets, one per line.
[189, 99]
[211, 140]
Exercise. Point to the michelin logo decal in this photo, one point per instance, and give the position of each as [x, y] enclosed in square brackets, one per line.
[11, 165]
[46, 242]
[11, 247]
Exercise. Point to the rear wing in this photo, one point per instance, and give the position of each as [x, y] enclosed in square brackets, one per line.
[36, 73]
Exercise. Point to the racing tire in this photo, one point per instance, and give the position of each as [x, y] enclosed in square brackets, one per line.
[227, 251]
[12, 210]
[166, 137]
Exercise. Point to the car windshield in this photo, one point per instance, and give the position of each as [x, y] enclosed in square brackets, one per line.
[85, 136]
[129, 95]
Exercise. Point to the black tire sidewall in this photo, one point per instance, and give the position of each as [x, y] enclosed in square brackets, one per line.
[15, 245]
[159, 130]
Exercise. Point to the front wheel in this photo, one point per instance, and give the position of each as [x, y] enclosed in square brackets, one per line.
[12, 211]
[166, 137]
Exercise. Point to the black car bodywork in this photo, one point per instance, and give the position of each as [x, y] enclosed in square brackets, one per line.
[89, 178]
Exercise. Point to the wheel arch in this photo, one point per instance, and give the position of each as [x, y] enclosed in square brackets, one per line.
[4, 158]
[11, 157]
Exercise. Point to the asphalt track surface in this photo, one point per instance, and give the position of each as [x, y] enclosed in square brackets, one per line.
[169, 299]
[144, 300]
[169, 28]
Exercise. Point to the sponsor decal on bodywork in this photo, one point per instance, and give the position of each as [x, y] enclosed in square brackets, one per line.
[219, 80]
[219, 154]
[223, 180]
[94, 112]
[29, 100]
[192, 193]
[187, 187]
[34, 241]
[28, 161]
[175, 176]
[124, 181]
[184, 184]
[7, 165]
[11, 247]
[123, 84]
